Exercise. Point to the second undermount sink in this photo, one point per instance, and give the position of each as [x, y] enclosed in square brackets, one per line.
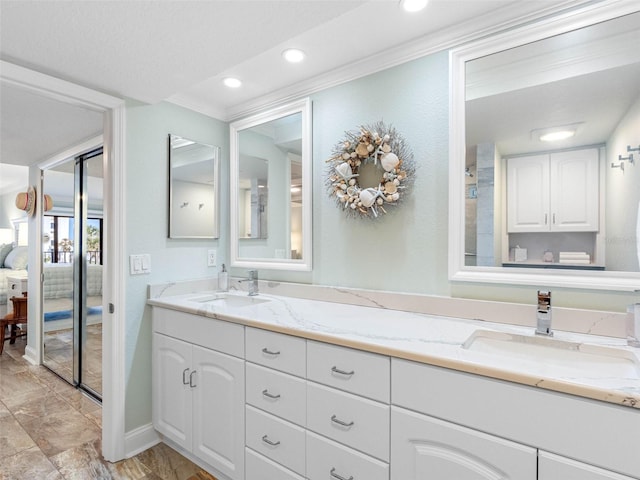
[563, 357]
[229, 300]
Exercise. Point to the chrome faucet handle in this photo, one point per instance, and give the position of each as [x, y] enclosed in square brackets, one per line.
[252, 286]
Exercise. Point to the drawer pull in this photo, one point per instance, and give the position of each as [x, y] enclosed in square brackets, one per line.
[269, 352]
[335, 419]
[342, 372]
[266, 440]
[339, 477]
[191, 384]
[184, 376]
[266, 393]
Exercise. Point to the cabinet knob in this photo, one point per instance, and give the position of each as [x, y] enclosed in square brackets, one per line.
[339, 477]
[335, 369]
[184, 376]
[191, 384]
[335, 419]
[266, 393]
[270, 352]
[266, 440]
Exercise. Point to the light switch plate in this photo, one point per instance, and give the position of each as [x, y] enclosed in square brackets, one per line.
[212, 258]
[139, 264]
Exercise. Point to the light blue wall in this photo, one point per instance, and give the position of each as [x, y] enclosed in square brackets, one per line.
[405, 252]
[146, 223]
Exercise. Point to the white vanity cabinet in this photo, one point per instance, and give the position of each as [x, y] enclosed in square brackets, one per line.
[198, 392]
[276, 406]
[513, 418]
[423, 447]
[555, 192]
[554, 467]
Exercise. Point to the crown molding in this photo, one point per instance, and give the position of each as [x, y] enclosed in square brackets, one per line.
[192, 104]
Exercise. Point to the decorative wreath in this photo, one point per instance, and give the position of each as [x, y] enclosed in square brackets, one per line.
[385, 148]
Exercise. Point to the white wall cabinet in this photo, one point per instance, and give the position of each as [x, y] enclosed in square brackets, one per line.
[198, 398]
[423, 448]
[555, 192]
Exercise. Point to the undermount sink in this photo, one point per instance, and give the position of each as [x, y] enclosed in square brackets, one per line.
[565, 358]
[230, 300]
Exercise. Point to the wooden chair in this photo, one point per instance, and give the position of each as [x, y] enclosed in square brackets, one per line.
[13, 319]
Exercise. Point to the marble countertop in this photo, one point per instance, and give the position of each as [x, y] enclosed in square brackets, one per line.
[434, 340]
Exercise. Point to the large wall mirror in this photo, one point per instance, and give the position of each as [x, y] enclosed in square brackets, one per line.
[270, 189]
[193, 188]
[545, 153]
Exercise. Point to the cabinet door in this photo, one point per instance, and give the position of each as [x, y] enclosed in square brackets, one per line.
[574, 191]
[424, 448]
[171, 390]
[528, 194]
[218, 411]
[554, 467]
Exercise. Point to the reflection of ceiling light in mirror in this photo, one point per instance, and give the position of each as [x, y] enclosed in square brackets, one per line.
[556, 136]
[232, 82]
[293, 55]
[414, 5]
[295, 189]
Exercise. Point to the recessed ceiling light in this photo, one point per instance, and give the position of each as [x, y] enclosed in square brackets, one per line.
[232, 82]
[414, 5]
[293, 55]
[557, 136]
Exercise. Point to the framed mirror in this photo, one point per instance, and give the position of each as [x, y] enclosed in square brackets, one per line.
[270, 170]
[579, 73]
[193, 188]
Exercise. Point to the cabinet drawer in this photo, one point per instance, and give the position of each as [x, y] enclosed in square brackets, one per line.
[276, 350]
[277, 393]
[207, 332]
[276, 439]
[355, 421]
[325, 457]
[362, 373]
[258, 467]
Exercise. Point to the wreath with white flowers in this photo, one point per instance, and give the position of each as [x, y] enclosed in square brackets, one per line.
[386, 149]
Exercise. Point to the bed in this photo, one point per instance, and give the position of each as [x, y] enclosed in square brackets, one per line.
[58, 277]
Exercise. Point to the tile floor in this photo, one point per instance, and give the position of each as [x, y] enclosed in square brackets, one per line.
[51, 431]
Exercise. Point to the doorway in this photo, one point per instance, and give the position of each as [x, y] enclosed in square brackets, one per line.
[73, 252]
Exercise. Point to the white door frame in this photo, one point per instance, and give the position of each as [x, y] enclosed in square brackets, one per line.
[113, 338]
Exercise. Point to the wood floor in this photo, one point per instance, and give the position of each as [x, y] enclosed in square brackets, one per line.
[51, 431]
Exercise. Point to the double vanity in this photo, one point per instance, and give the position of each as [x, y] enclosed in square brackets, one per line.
[274, 387]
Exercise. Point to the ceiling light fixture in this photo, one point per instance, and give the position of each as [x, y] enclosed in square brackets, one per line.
[293, 55]
[232, 82]
[413, 5]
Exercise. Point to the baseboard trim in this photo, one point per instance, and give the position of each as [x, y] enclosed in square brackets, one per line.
[140, 439]
[30, 355]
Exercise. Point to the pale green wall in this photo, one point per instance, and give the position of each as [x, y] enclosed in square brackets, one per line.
[405, 251]
[146, 230]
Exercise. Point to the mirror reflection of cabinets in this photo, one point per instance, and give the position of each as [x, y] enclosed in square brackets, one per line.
[555, 192]
[577, 73]
[270, 189]
[193, 189]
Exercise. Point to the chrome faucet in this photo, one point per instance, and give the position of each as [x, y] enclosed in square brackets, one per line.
[252, 287]
[543, 314]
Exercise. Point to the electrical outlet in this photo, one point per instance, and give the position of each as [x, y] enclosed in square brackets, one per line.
[212, 258]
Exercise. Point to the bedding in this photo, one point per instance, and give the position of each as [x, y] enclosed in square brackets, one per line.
[58, 277]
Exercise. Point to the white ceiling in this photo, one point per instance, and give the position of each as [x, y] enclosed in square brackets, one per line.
[180, 50]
